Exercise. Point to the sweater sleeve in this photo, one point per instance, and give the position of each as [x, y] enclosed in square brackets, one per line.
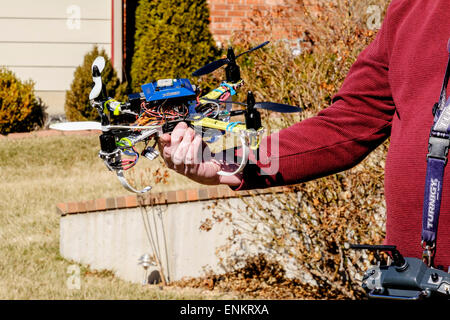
[338, 137]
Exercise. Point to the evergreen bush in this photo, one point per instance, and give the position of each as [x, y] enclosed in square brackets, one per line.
[77, 106]
[172, 40]
[20, 109]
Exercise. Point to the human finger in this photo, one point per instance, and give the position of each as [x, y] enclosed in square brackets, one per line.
[177, 134]
[169, 143]
[165, 149]
[192, 160]
[179, 155]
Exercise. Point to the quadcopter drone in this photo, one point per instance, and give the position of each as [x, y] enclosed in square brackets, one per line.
[161, 105]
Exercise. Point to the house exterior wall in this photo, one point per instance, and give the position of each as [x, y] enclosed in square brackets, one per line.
[262, 19]
[46, 40]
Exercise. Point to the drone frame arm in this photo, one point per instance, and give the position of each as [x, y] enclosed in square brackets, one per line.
[120, 172]
[244, 159]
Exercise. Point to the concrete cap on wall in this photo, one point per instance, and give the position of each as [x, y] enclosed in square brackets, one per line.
[159, 198]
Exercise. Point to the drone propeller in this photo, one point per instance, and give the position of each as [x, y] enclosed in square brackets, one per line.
[97, 67]
[271, 106]
[253, 49]
[76, 126]
[92, 125]
[230, 60]
[100, 63]
[210, 67]
[277, 107]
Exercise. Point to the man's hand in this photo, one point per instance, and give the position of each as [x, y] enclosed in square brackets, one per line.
[183, 151]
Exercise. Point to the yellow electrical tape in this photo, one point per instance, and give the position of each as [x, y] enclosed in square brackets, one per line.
[213, 95]
[116, 110]
[125, 142]
[217, 124]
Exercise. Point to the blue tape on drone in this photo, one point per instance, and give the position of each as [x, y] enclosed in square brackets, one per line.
[130, 152]
[232, 91]
[192, 106]
[231, 125]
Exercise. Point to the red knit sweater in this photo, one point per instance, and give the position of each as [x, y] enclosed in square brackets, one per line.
[389, 91]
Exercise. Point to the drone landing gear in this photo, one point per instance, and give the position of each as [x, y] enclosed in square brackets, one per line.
[127, 186]
[112, 150]
[244, 159]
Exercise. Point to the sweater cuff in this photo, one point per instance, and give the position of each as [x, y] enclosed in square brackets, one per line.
[239, 187]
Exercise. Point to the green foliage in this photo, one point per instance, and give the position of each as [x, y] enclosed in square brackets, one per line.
[20, 109]
[77, 106]
[172, 40]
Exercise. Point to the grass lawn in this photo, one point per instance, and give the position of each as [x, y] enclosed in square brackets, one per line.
[39, 172]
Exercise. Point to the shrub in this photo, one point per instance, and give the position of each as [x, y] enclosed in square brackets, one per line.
[77, 106]
[172, 40]
[20, 109]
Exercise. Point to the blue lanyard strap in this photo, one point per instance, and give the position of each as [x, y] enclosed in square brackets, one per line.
[438, 146]
[432, 200]
[436, 162]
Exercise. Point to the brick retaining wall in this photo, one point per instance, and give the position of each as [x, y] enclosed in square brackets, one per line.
[113, 233]
[159, 198]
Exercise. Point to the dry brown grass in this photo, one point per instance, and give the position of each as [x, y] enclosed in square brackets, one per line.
[35, 175]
